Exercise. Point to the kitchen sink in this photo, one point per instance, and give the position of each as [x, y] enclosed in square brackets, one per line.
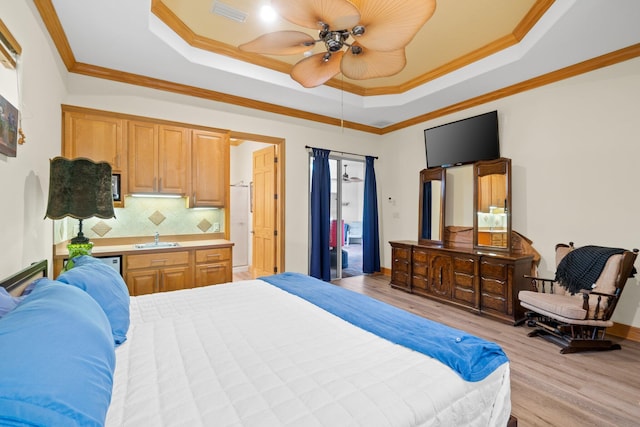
[158, 245]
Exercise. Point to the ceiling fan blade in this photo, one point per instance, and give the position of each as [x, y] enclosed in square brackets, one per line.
[313, 71]
[391, 25]
[338, 14]
[280, 43]
[372, 63]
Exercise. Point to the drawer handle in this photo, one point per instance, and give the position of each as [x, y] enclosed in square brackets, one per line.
[157, 261]
[213, 255]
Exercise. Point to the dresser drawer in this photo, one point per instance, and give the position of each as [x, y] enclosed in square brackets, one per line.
[402, 253]
[212, 255]
[420, 256]
[494, 270]
[464, 265]
[157, 259]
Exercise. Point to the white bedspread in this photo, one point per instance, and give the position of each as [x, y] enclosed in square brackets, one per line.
[250, 354]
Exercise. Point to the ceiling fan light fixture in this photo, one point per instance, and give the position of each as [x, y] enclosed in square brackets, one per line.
[358, 30]
[381, 30]
[356, 50]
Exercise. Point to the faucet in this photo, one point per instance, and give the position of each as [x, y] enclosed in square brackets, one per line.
[156, 238]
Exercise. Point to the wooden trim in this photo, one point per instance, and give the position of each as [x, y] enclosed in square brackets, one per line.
[138, 80]
[49, 16]
[620, 330]
[385, 271]
[545, 79]
[51, 21]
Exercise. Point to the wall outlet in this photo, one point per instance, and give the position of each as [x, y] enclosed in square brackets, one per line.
[216, 226]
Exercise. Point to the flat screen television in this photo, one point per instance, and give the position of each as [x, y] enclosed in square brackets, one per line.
[464, 141]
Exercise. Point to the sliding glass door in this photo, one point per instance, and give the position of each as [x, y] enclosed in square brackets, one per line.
[346, 207]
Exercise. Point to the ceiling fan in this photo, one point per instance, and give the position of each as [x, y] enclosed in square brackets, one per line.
[347, 178]
[380, 29]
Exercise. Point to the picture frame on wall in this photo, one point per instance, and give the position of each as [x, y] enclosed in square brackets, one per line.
[8, 128]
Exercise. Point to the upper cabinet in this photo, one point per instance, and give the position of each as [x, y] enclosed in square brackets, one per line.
[209, 168]
[159, 159]
[97, 137]
[492, 204]
[432, 204]
[152, 156]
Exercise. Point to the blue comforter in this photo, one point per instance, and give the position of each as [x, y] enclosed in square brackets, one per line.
[471, 357]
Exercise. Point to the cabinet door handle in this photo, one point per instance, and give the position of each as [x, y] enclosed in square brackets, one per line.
[154, 184]
[194, 198]
[159, 184]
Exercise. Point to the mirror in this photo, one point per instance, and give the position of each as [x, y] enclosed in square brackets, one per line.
[431, 211]
[492, 201]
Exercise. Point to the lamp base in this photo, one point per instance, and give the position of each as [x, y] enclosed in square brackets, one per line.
[77, 249]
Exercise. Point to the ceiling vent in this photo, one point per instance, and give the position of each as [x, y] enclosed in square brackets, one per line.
[229, 12]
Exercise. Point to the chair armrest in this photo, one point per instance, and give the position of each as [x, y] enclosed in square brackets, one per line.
[599, 313]
[535, 279]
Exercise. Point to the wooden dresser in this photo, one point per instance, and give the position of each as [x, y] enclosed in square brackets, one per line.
[480, 281]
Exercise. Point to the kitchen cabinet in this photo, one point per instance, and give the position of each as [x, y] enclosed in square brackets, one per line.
[213, 266]
[158, 158]
[95, 136]
[209, 168]
[158, 272]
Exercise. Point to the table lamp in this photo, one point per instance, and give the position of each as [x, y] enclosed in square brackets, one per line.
[79, 188]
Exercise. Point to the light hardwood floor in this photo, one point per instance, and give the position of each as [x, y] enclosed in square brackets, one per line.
[547, 388]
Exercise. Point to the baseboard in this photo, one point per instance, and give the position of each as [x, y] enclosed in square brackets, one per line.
[619, 330]
[627, 332]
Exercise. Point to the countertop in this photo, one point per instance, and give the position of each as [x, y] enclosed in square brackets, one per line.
[60, 250]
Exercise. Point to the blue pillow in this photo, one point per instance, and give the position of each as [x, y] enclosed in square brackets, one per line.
[107, 287]
[58, 359]
[7, 302]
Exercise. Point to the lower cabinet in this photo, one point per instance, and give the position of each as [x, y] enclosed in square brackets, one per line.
[484, 283]
[158, 272]
[213, 266]
[162, 271]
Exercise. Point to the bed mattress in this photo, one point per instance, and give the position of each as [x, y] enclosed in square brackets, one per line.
[250, 354]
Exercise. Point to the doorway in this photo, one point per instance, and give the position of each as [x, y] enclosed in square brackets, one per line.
[346, 209]
[243, 147]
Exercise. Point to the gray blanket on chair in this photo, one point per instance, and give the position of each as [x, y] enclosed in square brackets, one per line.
[581, 267]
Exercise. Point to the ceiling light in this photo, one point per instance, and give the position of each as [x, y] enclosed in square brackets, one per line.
[267, 13]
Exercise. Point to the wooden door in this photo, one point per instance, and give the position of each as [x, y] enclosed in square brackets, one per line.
[264, 212]
[173, 159]
[143, 157]
[142, 282]
[209, 169]
[175, 278]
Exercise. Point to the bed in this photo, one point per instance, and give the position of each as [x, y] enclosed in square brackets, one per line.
[284, 350]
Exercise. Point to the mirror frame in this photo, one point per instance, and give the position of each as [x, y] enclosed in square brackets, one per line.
[491, 167]
[428, 175]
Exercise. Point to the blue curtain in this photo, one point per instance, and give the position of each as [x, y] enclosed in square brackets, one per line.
[370, 236]
[320, 266]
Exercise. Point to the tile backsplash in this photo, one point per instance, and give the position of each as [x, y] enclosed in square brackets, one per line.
[144, 216]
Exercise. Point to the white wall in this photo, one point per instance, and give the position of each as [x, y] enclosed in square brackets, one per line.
[36, 89]
[575, 151]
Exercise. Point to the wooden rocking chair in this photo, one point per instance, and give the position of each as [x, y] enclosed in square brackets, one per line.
[578, 322]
